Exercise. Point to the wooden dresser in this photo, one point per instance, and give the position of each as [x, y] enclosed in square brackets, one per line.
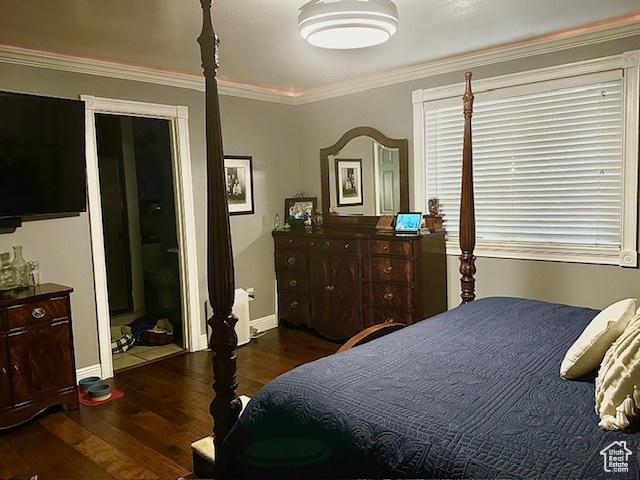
[37, 365]
[339, 281]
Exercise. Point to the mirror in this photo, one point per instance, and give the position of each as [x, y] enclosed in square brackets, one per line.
[364, 175]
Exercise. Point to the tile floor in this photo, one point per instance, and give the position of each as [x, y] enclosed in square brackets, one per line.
[139, 354]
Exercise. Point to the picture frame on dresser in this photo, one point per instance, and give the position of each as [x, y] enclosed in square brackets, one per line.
[297, 210]
[238, 173]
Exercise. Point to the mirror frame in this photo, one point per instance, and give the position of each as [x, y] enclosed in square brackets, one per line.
[402, 144]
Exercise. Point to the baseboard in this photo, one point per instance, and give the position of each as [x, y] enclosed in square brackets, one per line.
[264, 323]
[204, 342]
[261, 324]
[90, 371]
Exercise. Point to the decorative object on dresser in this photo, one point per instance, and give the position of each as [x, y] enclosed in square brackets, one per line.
[37, 364]
[339, 281]
[238, 172]
[435, 222]
[298, 209]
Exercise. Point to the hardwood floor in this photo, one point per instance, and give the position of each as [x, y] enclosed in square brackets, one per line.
[147, 434]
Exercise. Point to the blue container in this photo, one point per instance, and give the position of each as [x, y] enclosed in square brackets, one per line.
[85, 383]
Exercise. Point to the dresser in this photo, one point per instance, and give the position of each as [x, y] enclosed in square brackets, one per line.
[37, 365]
[342, 280]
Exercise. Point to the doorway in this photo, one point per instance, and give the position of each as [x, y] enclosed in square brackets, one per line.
[182, 256]
[140, 238]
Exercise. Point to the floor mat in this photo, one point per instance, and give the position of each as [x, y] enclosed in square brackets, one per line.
[86, 400]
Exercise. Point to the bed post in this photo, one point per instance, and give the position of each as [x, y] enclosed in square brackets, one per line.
[225, 407]
[467, 213]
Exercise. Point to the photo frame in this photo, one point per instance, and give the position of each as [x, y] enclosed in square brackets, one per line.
[238, 171]
[349, 181]
[296, 210]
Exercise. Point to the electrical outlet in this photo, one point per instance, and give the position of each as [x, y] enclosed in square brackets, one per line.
[252, 293]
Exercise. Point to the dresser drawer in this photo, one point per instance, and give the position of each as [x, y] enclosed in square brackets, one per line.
[292, 303]
[391, 269]
[333, 246]
[294, 282]
[286, 242]
[391, 296]
[387, 247]
[37, 313]
[293, 260]
[373, 316]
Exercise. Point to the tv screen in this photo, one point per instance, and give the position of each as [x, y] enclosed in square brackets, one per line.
[42, 155]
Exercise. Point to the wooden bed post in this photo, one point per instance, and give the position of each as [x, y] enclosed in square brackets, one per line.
[225, 407]
[467, 212]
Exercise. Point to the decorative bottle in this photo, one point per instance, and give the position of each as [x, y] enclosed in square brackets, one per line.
[6, 272]
[20, 268]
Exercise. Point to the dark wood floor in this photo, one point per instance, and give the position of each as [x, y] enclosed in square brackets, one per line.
[148, 432]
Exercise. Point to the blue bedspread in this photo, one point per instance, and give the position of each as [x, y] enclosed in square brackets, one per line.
[472, 393]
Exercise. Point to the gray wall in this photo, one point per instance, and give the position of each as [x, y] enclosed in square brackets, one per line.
[389, 109]
[284, 142]
[264, 130]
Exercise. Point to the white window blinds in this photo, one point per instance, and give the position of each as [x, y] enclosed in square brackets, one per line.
[547, 160]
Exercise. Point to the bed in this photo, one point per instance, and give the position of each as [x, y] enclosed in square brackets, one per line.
[472, 393]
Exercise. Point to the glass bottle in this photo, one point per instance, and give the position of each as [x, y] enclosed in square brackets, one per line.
[20, 268]
[7, 280]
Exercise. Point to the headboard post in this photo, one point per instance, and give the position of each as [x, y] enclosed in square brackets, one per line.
[225, 407]
[467, 211]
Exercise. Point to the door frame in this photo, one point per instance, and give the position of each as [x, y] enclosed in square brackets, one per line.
[178, 117]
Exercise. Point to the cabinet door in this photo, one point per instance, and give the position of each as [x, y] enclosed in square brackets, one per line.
[345, 300]
[40, 362]
[5, 382]
[320, 284]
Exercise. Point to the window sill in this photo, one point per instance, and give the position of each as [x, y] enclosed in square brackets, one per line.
[557, 252]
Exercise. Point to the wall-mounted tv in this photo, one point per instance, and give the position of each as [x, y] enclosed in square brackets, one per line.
[42, 156]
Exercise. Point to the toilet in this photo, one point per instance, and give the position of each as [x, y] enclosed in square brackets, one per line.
[159, 281]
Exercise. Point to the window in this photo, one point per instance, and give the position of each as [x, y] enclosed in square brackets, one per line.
[551, 159]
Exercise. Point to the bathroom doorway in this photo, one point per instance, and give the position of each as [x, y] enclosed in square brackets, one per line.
[140, 238]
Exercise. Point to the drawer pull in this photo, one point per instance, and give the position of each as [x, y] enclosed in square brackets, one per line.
[291, 240]
[386, 248]
[291, 260]
[293, 282]
[388, 269]
[327, 244]
[312, 244]
[15, 369]
[388, 320]
[293, 304]
[4, 371]
[329, 288]
[38, 312]
[388, 296]
[347, 245]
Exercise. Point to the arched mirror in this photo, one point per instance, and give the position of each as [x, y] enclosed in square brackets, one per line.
[364, 175]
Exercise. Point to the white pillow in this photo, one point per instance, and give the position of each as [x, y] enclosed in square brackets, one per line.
[618, 381]
[587, 351]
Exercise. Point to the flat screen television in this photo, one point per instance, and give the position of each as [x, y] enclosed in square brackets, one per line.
[42, 156]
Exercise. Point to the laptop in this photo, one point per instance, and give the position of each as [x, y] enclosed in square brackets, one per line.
[408, 222]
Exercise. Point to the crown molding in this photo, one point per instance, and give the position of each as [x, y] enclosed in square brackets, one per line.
[543, 45]
[476, 59]
[55, 61]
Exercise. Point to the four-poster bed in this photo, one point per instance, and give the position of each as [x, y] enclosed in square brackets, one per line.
[473, 392]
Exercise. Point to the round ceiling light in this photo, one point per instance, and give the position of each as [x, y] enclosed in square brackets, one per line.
[344, 24]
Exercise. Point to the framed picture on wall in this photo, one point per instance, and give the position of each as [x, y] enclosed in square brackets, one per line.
[349, 182]
[297, 210]
[238, 171]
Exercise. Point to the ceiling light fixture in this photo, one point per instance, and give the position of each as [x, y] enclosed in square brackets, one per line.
[344, 24]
